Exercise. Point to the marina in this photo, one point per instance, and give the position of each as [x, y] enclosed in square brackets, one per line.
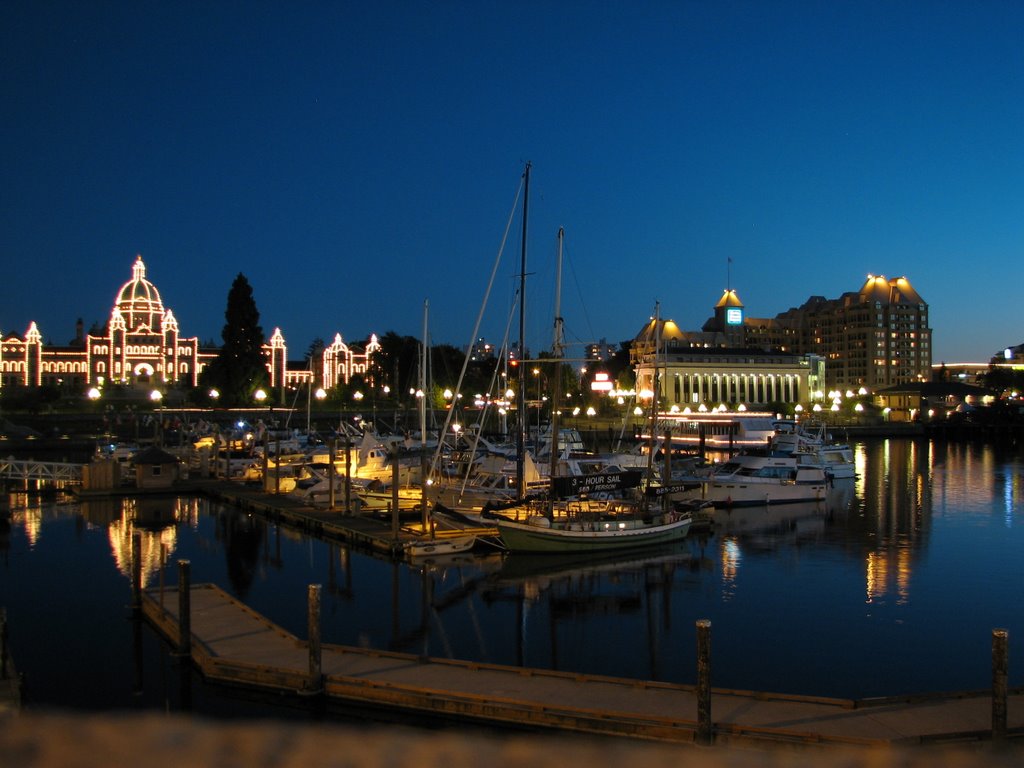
[861, 597]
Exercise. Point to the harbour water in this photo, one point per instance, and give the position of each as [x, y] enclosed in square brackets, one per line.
[892, 586]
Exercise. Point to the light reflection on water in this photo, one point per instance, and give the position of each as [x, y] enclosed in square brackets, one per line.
[891, 586]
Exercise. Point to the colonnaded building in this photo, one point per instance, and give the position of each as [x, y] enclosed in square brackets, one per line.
[142, 345]
[873, 338]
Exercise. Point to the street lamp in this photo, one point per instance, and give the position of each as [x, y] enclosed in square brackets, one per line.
[320, 394]
[536, 376]
[156, 396]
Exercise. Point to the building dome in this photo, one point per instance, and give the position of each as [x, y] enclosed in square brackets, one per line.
[139, 301]
[729, 299]
[667, 330]
[895, 291]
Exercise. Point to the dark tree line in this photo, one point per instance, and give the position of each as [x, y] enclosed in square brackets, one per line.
[239, 369]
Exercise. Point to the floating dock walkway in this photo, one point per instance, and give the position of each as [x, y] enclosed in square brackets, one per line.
[373, 532]
[232, 644]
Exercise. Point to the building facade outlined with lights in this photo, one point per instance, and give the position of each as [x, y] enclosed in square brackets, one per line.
[141, 345]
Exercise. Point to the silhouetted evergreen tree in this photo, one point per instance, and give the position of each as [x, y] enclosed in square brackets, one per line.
[240, 368]
[316, 350]
[397, 363]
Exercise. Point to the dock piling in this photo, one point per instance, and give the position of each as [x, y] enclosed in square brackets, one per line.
[184, 609]
[704, 727]
[315, 683]
[136, 571]
[331, 472]
[163, 565]
[3, 643]
[1000, 668]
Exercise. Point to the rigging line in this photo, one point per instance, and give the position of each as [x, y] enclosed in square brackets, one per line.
[288, 421]
[579, 293]
[499, 360]
[476, 327]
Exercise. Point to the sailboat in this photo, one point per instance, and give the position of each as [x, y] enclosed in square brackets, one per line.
[585, 525]
[433, 543]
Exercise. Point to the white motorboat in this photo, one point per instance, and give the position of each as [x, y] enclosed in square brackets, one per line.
[755, 476]
[810, 445]
[439, 545]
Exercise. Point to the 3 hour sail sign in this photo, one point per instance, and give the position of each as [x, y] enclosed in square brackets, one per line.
[599, 482]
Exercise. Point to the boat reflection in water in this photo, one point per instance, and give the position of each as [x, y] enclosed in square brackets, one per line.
[786, 518]
[574, 609]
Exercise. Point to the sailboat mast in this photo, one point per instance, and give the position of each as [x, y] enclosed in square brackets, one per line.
[521, 383]
[424, 356]
[655, 384]
[556, 353]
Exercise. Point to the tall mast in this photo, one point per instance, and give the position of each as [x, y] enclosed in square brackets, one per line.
[521, 426]
[424, 357]
[655, 384]
[556, 353]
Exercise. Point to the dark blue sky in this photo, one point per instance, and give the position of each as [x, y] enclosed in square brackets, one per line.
[355, 159]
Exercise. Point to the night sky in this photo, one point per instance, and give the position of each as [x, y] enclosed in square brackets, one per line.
[355, 159]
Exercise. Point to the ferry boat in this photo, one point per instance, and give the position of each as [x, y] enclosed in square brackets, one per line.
[717, 431]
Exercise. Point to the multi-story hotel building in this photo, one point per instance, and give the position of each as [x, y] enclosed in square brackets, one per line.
[873, 338]
[141, 345]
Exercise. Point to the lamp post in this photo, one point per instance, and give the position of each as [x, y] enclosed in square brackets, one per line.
[539, 376]
[357, 396]
[320, 394]
[156, 396]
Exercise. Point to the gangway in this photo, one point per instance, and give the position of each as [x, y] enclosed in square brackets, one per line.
[44, 471]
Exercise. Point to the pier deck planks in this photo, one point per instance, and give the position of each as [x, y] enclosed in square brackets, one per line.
[233, 644]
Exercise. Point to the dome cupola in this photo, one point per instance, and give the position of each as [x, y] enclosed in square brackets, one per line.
[139, 301]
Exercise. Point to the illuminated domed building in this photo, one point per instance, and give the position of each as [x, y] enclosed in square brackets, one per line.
[141, 345]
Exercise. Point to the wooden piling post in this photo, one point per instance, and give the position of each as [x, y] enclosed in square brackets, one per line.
[704, 726]
[1000, 669]
[348, 475]
[3, 643]
[265, 465]
[163, 565]
[184, 609]
[395, 477]
[332, 453]
[277, 464]
[315, 682]
[136, 570]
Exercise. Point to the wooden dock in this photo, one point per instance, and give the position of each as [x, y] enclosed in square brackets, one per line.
[10, 681]
[232, 644]
[363, 530]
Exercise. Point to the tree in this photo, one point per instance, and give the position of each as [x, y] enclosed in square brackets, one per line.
[316, 350]
[239, 369]
[397, 362]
